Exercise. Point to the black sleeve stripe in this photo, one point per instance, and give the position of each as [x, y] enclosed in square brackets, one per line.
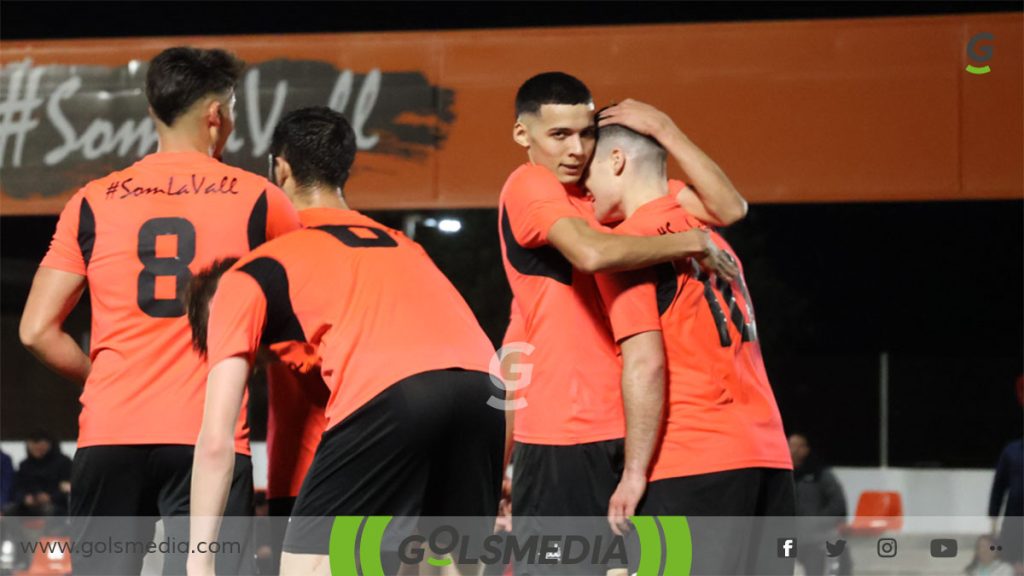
[86, 231]
[258, 222]
[667, 286]
[282, 324]
[543, 261]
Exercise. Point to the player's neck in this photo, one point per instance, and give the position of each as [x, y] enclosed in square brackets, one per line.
[181, 141]
[641, 192]
[319, 197]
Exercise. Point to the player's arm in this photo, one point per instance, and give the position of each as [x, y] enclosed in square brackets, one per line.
[214, 460]
[537, 212]
[630, 300]
[591, 250]
[237, 315]
[711, 196]
[643, 396]
[53, 296]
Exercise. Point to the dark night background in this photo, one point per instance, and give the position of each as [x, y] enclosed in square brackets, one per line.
[937, 286]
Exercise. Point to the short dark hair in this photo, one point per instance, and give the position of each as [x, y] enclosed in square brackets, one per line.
[318, 143]
[643, 147]
[179, 77]
[551, 88]
[197, 300]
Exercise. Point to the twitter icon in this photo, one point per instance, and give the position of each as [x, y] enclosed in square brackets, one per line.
[836, 549]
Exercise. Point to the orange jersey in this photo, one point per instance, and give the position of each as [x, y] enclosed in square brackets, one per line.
[575, 393]
[516, 330]
[296, 412]
[296, 418]
[138, 235]
[369, 299]
[721, 412]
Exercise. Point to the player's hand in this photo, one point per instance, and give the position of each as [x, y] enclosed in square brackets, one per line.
[503, 523]
[624, 501]
[200, 564]
[640, 117]
[718, 261]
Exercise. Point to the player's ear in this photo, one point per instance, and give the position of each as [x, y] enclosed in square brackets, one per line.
[213, 113]
[520, 135]
[282, 170]
[618, 162]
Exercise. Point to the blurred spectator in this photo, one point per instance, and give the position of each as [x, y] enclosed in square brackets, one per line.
[820, 500]
[986, 560]
[6, 480]
[43, 480]
[1008, 486]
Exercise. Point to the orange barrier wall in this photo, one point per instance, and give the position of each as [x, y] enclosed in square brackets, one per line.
[795, 111]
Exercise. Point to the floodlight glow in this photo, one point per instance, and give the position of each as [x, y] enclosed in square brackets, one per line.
[449, 225]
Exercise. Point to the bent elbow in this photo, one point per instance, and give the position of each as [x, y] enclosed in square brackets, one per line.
[589, 260]
[736, 213]
[30, 333]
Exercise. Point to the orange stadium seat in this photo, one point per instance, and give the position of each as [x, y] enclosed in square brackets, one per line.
[877, 512]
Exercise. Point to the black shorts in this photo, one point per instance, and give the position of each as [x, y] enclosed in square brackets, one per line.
[553, 483]
[278, 511]
[147, 482]
[429, 445]
[736, 517]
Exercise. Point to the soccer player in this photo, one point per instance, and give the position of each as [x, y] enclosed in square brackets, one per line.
[723, 452]
[135, 237]
[296, 399]
[571, 459]
[409, 428]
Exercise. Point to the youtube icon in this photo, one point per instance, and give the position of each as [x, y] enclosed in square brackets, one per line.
[944, 548]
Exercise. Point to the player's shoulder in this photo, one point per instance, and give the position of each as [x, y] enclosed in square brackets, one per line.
[277, 250]
[530, 177]
[248, 185]
[661, 216]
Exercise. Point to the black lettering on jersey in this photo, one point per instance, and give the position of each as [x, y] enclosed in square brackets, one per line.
[345, 235]
[258, 222]
[667, 286]
[86, 231]
[544, 261]
[282, 325]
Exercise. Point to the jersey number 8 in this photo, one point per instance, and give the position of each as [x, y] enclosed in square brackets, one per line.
[155, 266]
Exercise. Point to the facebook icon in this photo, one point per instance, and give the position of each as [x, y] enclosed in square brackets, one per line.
[787, 548]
